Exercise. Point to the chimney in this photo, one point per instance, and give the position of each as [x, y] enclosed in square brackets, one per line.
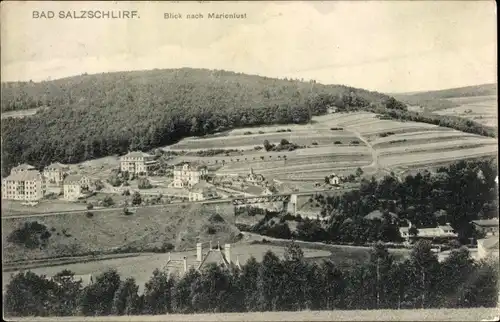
[199, 254]
[227, 252]
[185, 264]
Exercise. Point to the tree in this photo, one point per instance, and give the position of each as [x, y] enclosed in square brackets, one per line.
[269, 283]
[97, 298]
[126, 299]
[143, 183]
[267, 145]
[284, 142]
[108, 201]
[359, 172]
[158, 293]
[249, 276]
[136, 198]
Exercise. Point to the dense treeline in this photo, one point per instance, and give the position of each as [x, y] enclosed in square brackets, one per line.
[457, 194]
[275, 284]
[91, 116]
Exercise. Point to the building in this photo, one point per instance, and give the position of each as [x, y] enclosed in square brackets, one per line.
[202, 191]
[488, 247]
[138, 163]
[487, 226]
[25, 185]
[218, 256]
[188, 174]
[54, 173]
[22, 168]
[439, 232]
[254, 178]
[75, 186]
[334, 179]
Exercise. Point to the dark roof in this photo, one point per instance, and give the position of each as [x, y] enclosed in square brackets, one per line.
[73, 178]
[137, 154]
[486, 222]
[214, 256]
[57, 165]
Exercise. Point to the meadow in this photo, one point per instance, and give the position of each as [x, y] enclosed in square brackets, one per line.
[482, 109]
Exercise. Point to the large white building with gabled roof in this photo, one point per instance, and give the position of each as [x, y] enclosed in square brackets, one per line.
[138, 163]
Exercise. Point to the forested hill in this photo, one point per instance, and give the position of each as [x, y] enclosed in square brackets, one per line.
[91, 116]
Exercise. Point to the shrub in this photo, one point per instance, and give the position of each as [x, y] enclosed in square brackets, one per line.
[126, 212]
[108, 201]
[261, 132]
[30, 235]
[247, 133]
[314, 143]
[338, 142]
[355, 142]
[90, 206]
[144, 183]
[89, 214]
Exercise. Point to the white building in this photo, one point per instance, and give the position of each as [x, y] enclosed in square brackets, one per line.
[202, 191]
[54, 173]
[487, 226]
[334, 179]
[187, 174]
[254, 178]
[445, 231]
[75, 186]
[488, 247]
[138, 163]
[26, 185]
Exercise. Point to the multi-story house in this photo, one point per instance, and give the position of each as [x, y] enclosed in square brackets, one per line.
[487, 226]
[54, 174]
[23, 185]
[75, 186]
[187, 174]
[138, 163]
[202, 191]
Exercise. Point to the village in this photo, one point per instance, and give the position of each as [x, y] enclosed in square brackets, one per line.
[140, 179]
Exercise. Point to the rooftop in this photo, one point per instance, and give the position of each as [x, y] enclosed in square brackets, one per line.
[136, 154]
[486, 222]
[377, 214]
[57, 165]
[23, 166]
[24, 176]
[191, 165]
[73, 178]
[201, 186]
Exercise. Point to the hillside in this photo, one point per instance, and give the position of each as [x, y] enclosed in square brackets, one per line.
[436, 100]
[90, 116]
[145, 230]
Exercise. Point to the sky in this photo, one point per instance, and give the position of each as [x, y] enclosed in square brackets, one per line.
[387, 46]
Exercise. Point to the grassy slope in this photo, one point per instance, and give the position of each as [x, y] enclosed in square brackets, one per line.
[147, 228]
[436, 100]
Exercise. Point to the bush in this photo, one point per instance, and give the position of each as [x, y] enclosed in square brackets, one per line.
[338, 142]
[144, 183]
[247, 133]
[90, 206]
[284, 142]
[126, 212]
[355, 142]
[314, 143]
[89, 214]
[108, 201]
[30, 235]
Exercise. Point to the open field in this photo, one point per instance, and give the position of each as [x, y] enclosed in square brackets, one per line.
[472, 314]
[76, 234]
[12, 207]
[482, 109]
[321, 137]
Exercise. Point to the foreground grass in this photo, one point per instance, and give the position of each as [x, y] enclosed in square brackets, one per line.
[475, 314]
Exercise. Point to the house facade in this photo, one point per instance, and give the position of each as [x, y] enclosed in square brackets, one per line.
[24, 185]
[138, 163]
[54, 174]
[186, 175]
[439, 232]
[254, 178]
[202, 191]
[75, 186]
